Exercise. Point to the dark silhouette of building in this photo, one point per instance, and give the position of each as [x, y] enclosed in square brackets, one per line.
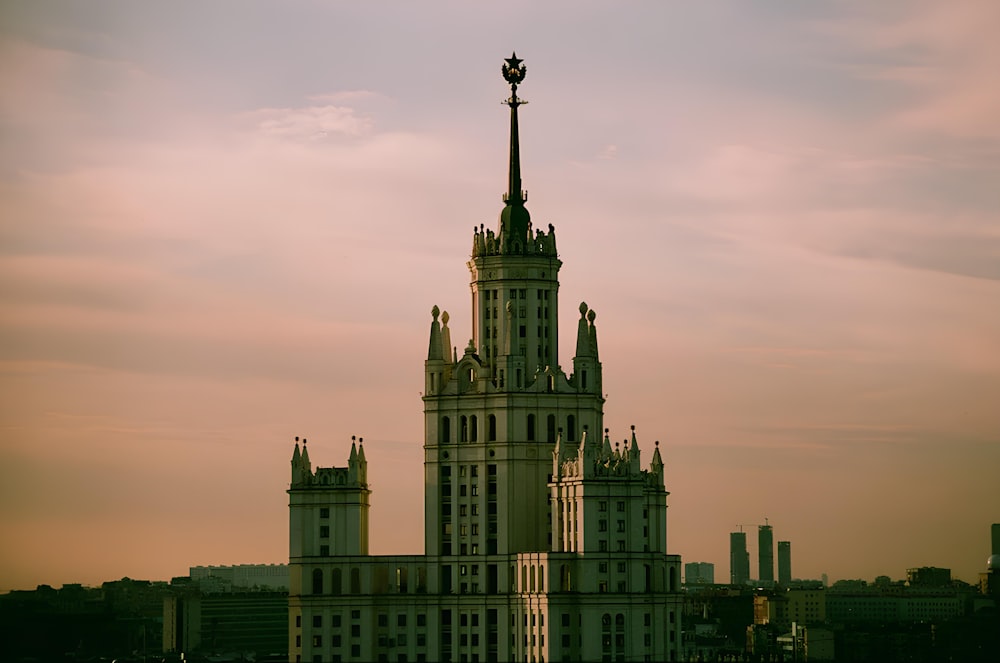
[785, 562]
[765, 554]
[739, 559]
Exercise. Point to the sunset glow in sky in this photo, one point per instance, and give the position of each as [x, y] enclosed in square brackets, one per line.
[224, 224]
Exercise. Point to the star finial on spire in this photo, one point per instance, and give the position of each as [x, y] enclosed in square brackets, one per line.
[513, 71]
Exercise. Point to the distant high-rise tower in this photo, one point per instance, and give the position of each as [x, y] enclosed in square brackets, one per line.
[739, 559]
[765, 553]
[784, 562]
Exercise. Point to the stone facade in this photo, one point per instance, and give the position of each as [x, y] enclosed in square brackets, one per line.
[544, 541]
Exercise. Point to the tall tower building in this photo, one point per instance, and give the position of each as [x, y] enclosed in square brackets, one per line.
[739, 559]
[543, 540]
[785, 562]
[765, 554]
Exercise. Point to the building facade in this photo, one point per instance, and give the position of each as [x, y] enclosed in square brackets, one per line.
[785, 563]
[543, 540]
[765, 555]
[739, 559]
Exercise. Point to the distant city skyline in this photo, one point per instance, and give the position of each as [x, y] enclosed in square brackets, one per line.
[225, 224]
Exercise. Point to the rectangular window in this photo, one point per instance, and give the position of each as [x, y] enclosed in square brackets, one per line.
[383, 619]
[324, 531]
[602, 525]
[355, 630]
[602, 567]
[475, 509]
[317, 641]
[421, 619]
[355, 614]
[474, 470]
[335, 621]
[401, 619]
[602, 545]
[621, 525]
[324, 551]
[621, 506]
[602, 506]
[621, 567]
[475, 490]
[621, 546]
[475, 529]
[324, 512]
[602, 587]
[317, 621]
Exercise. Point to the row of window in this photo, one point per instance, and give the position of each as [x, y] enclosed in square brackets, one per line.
[469, 428]
[515, 293]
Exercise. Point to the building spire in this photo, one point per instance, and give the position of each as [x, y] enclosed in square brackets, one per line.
[515, 222]
[513, 72]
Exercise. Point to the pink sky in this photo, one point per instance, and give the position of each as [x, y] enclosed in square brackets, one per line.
[225, 224]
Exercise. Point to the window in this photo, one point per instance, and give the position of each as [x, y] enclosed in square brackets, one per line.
[355, 614]
[474, 470]
[621, 567]
[491, 424]
[602, 545]
[324, 512]
[571, 427]
[621, 525]
[602, 525]
[324, 531]
[474, 428]
[602, 567]
[462, 509]
[602, 506]
[621, 506]
[531, 428]
[317, 621]
[621, 546]
[317, 641]
[298, 621]
[324, 551]
[355, 630]
[551, 422]
[383, 619]
[602, 587]
[445, 430]
[317, 581]
[335, 621]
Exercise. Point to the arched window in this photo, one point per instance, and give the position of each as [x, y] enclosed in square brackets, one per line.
[673, 579]
[619, 619]
[551, 428]
[541, 578]
[531, 428]
[355, 581]
[583, 380]
[491, 424]
[473, 428]
[445, 430]
[564, 578]
[524, 578]
[531, 578]
[463, 429]
[571, 427]
[335, 582]
[317, 581]
[605, 619]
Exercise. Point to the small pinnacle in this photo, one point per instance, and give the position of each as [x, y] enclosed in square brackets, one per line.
[353, 438]
[296, 438]
[361, 440]
[633, 426]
